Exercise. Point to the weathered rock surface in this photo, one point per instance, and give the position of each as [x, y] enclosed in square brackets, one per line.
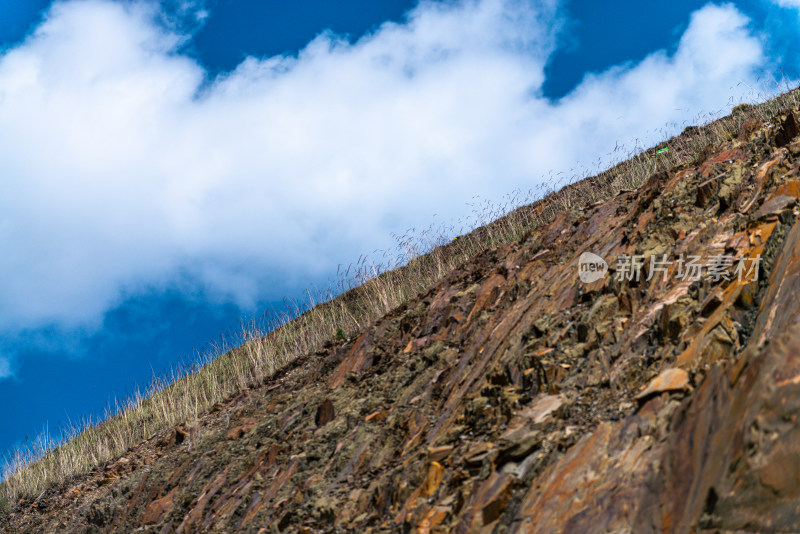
[511, 397]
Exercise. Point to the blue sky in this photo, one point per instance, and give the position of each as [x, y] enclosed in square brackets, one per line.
[169, 168]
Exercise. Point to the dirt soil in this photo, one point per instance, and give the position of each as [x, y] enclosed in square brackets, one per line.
[513, 397]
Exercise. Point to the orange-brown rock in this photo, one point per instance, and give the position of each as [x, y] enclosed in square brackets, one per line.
[668, 380]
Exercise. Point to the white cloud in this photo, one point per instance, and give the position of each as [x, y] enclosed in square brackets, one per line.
[788, 3]
[123, 167]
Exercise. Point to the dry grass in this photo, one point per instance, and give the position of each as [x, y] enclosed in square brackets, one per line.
[365, 292]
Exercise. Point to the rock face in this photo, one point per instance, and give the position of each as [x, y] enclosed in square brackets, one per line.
[512, 397]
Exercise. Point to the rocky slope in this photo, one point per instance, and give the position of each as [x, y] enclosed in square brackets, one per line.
[513, 397]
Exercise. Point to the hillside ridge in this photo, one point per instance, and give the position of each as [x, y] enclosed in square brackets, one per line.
[511, 396]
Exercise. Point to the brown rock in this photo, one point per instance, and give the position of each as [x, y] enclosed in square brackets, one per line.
[494, 495]
[377, 416]
[478, 452]
[438, 454]
[748, 128]
[157, 509]
[774, 206]
[179, 436]
[790, 188]
[357, 359]
[542, 408]
[788, 130]
[517, 445]
[706, 191]
[246, 426]
[668, 380]
[433, 519]
[434, 478]
[325, 413]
